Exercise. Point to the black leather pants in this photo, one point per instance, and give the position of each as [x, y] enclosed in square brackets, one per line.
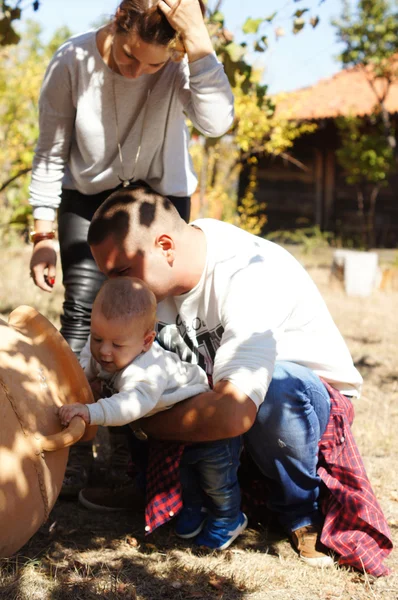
[81, 277]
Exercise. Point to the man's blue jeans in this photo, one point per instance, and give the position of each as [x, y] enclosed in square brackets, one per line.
[284, 442]
[209, 477]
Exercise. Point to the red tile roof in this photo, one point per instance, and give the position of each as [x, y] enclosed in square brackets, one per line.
[346, 93]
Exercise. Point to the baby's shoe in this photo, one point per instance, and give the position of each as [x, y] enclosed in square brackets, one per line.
[218, 534]
[190, 521]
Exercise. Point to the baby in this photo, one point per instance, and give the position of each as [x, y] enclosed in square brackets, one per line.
[141, 379]
[121, 353]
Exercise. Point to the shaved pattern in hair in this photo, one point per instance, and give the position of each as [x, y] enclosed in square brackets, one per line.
[127, 298]
[136, 213]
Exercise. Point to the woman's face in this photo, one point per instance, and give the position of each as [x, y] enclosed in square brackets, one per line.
[132, 57]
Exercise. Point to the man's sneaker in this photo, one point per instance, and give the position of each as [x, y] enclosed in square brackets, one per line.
[306, 540]
[218, 535]
[190, 521]
[120, 499]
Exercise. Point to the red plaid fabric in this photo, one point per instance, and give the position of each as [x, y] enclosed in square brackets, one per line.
[354, 527]
[163, 488]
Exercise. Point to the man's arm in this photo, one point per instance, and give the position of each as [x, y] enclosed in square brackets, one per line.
[222, 413]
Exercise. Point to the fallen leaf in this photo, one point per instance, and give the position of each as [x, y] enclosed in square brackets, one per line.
[132, 541]
[217, 582]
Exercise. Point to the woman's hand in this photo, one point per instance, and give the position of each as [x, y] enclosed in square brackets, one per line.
[43, 265]
[68, 411]
[185, 16]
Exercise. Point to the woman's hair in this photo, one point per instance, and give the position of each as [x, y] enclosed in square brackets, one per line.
[147, 20]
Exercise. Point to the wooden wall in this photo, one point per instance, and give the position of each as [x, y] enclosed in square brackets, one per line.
[346, 218]
[287, 190]
[312, 191]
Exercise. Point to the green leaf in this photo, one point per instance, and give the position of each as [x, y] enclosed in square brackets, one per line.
[271, 17]
[235, 51]
[217, 17]
[298, 25]
[252, 25]
[299, 13]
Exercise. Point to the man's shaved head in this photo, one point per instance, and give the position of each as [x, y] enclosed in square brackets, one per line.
[139, 233]
[133, 214]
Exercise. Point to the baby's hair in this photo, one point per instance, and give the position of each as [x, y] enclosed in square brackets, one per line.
[126, 298]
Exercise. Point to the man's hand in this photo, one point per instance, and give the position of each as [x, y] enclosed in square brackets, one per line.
[68, 411]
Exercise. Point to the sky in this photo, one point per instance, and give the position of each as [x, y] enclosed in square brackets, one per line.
[292, 62]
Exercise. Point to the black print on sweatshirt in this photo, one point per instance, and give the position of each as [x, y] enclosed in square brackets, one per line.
[193, 343]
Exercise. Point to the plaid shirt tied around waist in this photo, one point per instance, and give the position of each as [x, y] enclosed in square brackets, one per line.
[354, 527]
[163, 487]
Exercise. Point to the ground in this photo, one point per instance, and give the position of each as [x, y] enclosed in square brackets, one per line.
[82, 555]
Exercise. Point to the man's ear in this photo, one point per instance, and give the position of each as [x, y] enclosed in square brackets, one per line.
[166, 244]
[148, 340]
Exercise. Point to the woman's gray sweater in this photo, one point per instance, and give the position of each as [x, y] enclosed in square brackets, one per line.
[77, 146]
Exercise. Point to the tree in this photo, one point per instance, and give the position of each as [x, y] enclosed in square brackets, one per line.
[8, 14]
[367, 159]
[367, 154]
[370, 36]
[300, 18]
[257, 130]
[21, 72]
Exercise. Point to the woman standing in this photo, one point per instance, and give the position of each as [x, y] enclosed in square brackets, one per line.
[112, 111]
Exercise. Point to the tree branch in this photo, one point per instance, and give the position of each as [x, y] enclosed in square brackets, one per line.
[19, 174]
[217, 6]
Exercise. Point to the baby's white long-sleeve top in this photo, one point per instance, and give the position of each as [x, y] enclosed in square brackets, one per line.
[154, 381]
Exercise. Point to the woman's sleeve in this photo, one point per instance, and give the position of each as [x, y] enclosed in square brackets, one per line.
[56, 123]
[207, 96]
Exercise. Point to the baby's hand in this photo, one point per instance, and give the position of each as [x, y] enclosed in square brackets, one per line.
[68, 411]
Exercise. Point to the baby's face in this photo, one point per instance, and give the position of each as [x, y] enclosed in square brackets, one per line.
[116, 343]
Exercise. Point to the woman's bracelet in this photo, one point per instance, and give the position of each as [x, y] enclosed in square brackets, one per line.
[38, 236]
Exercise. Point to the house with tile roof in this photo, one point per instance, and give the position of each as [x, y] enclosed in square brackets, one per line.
[311, 189]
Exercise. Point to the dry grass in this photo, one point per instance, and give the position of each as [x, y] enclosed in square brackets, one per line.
[81, 555]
